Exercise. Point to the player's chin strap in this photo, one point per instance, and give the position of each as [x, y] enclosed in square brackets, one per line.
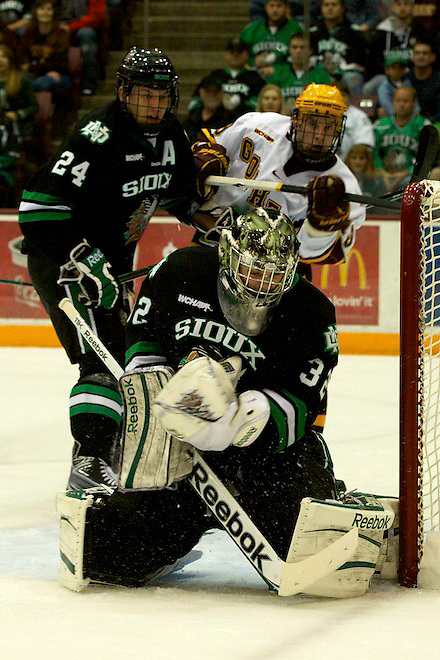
[328, 556]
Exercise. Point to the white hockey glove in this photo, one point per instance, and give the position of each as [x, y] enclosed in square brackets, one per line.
[199, 406]
[89, 269]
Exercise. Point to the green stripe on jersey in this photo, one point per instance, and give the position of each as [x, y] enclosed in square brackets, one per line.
[35, 216]
[280, 420]
[34, 196]
[301, 410]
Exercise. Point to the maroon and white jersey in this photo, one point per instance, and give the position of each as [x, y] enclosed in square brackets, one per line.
[258, 146]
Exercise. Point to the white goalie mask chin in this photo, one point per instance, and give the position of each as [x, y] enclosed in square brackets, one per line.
[258, 258]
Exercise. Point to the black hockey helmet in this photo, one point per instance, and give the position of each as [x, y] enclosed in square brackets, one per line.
[148, 68]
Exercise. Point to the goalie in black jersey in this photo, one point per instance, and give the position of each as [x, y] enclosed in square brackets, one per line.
[229, 352]
[82, 215]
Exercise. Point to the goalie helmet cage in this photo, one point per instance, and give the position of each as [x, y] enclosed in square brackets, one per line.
[419, 374]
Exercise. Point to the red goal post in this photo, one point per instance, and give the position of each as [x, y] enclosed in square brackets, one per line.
[420, 385]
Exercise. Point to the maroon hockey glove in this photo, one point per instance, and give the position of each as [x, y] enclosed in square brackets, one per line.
[328, 211]
[210, 159]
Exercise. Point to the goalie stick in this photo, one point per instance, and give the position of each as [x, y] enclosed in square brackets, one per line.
[425, 159]
[288, 578]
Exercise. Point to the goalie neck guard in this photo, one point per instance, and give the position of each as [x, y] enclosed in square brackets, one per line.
[147, 70]
[258, 259]
[318, 123]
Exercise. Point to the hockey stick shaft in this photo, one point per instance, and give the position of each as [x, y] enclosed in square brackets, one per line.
[288, 578]
[426, 157]
[126, 277]
[300, 190]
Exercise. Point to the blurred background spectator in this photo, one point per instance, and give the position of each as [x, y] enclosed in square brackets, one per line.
[271, 99]
[425, 80]
[10, 39]
[358, 126]
[363, 15]
[341, 49]
[397, 138]
[85, 22]
[17, 111]
[46, 50]
[17, 100]
[396, 75]
[295, 9]
[15, 14]
[296, 73]
[360, 161]
[211, 112]
[239, 83]
[267, 39]
[398, 32]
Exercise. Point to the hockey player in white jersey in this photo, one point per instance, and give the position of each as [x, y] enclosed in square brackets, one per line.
[300, 151]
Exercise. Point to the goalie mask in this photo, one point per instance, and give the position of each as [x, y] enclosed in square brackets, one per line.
[148, 88]
[258, 259]
[318, 123]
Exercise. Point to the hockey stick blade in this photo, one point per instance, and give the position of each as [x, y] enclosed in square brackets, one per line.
[426, 153]
[300, 190]
[296, 577]
[288, 578]
[426, 157]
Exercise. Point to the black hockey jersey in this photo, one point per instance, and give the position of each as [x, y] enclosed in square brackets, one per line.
[99, 178]
[291, 361]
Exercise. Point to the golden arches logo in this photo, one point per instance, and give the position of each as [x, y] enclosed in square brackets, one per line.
[343, 271]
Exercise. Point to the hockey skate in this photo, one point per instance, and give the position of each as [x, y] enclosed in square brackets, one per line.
[90, 472]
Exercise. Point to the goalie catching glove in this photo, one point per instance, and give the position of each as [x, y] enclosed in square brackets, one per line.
[199, 406]
[89, 269]
[328, 210]
[210, 159]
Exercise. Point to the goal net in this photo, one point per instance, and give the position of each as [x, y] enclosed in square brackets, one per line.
[419, 563]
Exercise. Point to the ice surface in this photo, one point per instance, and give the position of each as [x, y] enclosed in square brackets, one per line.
[217, 607]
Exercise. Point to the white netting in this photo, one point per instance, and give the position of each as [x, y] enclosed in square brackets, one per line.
[430, 327]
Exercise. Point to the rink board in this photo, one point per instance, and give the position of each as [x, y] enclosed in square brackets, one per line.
[365, 290]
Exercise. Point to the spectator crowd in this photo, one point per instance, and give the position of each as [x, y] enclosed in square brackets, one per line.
[52, 53]
[381, 54]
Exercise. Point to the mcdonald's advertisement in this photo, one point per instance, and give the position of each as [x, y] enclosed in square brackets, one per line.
[353, 286]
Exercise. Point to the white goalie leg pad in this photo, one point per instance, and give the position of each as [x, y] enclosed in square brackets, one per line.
[387, 566]
[72, 507]
[150, 457]
[199, 392]
[321, 522]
